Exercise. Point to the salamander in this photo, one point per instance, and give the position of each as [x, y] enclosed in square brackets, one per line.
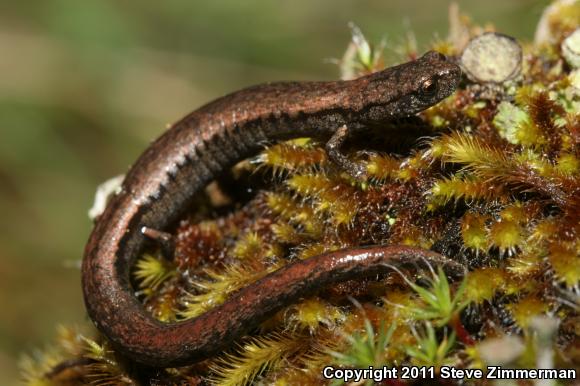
[192, 152]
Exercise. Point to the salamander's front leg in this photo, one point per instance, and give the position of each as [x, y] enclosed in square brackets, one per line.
[333, 149]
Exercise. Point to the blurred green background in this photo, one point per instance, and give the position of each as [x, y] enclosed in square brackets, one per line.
[85, 85]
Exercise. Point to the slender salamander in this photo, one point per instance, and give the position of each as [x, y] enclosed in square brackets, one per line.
[196, 149]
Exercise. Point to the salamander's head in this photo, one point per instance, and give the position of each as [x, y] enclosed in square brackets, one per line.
[409, 88]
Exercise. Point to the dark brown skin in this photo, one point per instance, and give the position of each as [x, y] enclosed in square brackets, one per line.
[195, 150]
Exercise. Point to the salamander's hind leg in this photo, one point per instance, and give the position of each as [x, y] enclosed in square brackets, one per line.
[357, 170]
[166, 241]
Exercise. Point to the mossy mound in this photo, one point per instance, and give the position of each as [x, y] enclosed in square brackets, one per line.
[489, 177]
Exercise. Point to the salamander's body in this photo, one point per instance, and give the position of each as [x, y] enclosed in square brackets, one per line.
[194, 151]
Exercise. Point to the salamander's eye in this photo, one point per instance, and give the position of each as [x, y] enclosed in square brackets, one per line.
[429, 86]
[435, 56]
[441, 57]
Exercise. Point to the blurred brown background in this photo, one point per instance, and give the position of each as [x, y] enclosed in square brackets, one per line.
[85, 85]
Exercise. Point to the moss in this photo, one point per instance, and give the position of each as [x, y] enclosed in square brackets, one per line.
[495, 187]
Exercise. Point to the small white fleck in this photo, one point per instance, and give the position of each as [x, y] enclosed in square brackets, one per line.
[104, 191]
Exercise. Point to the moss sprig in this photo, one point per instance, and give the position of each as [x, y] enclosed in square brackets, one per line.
[255, 357]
